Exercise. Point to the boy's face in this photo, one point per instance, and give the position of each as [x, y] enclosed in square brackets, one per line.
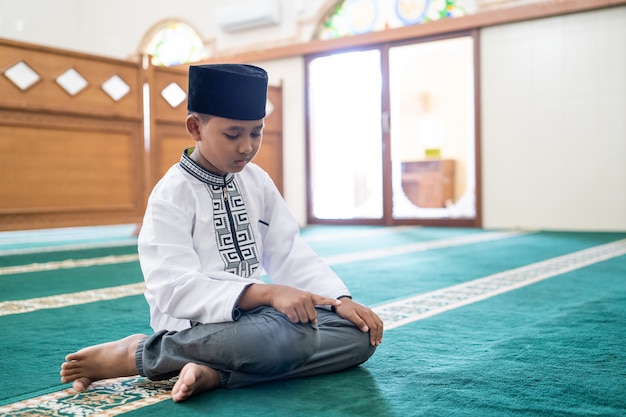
[224, 145]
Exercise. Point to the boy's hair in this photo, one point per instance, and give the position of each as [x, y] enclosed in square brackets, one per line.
[204, 118]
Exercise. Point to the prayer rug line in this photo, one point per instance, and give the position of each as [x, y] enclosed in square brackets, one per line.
[68, 264]
[133, 241]
[345, 234]
[421, 306]
[112, 397]
[332, 260]
[69, 247]
[83, 297]
[419, 247]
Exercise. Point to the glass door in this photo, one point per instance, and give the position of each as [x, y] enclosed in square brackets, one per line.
[345, 154]
[392, 134]
[432, 131]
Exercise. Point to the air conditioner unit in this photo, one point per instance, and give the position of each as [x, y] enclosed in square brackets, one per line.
[250, 14]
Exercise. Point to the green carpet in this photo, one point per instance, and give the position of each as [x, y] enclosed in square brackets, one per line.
[556, 347]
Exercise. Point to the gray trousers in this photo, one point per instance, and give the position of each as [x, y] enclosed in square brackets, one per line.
[263, 345]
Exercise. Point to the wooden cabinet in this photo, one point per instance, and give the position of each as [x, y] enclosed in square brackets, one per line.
[428, 183]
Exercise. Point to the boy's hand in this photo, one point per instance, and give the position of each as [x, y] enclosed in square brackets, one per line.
[297, 305]
[363, 317]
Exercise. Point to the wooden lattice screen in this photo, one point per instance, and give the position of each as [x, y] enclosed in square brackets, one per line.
[71, 153]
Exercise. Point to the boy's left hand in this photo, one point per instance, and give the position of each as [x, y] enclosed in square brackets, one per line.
[363, 317]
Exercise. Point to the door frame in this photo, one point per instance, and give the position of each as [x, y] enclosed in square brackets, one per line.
[387, 219]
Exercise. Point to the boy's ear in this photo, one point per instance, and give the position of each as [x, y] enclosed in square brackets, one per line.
[193, 127]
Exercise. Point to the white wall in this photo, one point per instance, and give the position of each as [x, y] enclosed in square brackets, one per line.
[290, 72]
[553, 98]
[115, 28]
[554, 122]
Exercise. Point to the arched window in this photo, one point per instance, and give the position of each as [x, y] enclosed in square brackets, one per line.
[354, 17]
[174, 43]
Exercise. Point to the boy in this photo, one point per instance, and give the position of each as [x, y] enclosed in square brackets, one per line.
[213, 222]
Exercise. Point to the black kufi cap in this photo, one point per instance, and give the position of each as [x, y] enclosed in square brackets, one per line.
[233, 91]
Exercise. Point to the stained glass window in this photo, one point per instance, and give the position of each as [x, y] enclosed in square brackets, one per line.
[354, 17]
[175, 43]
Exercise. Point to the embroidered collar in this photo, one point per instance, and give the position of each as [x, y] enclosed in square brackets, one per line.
[202, 174]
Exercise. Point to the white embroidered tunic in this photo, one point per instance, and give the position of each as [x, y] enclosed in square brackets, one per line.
[205, 238]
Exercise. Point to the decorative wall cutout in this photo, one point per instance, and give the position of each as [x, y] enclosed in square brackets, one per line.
[116, 88]
[173, 94]
[72, 82]
[22, 75]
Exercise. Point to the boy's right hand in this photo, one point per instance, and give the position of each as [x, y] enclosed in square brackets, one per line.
[297, 305]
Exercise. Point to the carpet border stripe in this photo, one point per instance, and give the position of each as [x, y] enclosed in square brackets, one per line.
[110, 293]
[419, 307]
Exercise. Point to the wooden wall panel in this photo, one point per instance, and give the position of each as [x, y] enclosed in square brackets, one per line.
[69, 159]
[66, 171]
[161, 78]
[168, 135]
[270, 157]
[169, 145]
[79, 159]
[47, 95]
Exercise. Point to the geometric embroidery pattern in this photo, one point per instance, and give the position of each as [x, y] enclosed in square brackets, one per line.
[202, 174]
[235, 240]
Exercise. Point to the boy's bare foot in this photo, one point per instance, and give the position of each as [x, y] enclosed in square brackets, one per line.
[194, 379]
[108, 360]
